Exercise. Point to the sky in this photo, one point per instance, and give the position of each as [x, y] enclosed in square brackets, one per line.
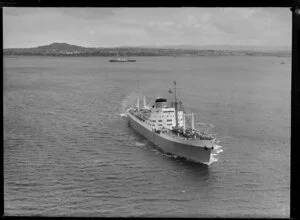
[112, 27]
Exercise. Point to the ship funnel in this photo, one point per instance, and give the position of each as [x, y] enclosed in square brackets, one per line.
[138, 102]
[160, 102]
[145, 105]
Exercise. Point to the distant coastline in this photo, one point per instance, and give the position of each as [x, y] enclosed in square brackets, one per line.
[64, 49]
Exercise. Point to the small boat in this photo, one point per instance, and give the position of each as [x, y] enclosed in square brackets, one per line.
[166, 127]
[122, 60]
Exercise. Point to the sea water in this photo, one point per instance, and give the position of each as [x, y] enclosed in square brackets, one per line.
[68, 150]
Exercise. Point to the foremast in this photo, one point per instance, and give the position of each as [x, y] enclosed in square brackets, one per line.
[175, 103]
[176, 107]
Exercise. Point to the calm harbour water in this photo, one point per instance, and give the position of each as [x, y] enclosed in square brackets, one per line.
[68, 150]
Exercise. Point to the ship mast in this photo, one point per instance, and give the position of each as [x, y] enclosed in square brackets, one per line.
[176, 110]
[137, 102]
[138, 92]
[145, 104]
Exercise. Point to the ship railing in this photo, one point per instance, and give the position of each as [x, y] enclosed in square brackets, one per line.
[141, 117]
[203, 135]
[195, 136]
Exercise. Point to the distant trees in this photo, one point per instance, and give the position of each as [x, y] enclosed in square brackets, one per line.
[63, 49]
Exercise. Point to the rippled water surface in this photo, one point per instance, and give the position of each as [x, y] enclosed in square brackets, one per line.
[68, 150]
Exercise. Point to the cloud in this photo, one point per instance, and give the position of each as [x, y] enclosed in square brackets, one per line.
[13, 11]
[78, 13]
[161, 25]
[88, 13]
[144, 26]
[252, 25]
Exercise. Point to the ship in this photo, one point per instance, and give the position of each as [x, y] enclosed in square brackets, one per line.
[168, 127]
[122, 60]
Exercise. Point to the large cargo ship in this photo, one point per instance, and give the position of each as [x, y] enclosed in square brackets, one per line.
[166, 127]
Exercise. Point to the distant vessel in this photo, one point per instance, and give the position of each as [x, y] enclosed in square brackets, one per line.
[122, 60]
[165, 126]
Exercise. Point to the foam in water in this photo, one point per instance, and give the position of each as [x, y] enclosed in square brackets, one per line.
[123, 115]
[171, 156]
[217, 147]
[215, 152]
[212, 159]
[205, 124]
[139, 144]
[219, 151]
[155, 151]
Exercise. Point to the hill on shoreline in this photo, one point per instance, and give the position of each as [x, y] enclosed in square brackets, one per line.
[64, 49]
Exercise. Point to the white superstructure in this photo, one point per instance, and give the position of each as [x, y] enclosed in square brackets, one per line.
[160, 115]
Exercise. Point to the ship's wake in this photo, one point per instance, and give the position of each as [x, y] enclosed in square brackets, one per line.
[139, 144]
[214, 154]
[123, 114]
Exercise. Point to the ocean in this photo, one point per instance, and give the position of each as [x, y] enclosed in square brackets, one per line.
[68, 149]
